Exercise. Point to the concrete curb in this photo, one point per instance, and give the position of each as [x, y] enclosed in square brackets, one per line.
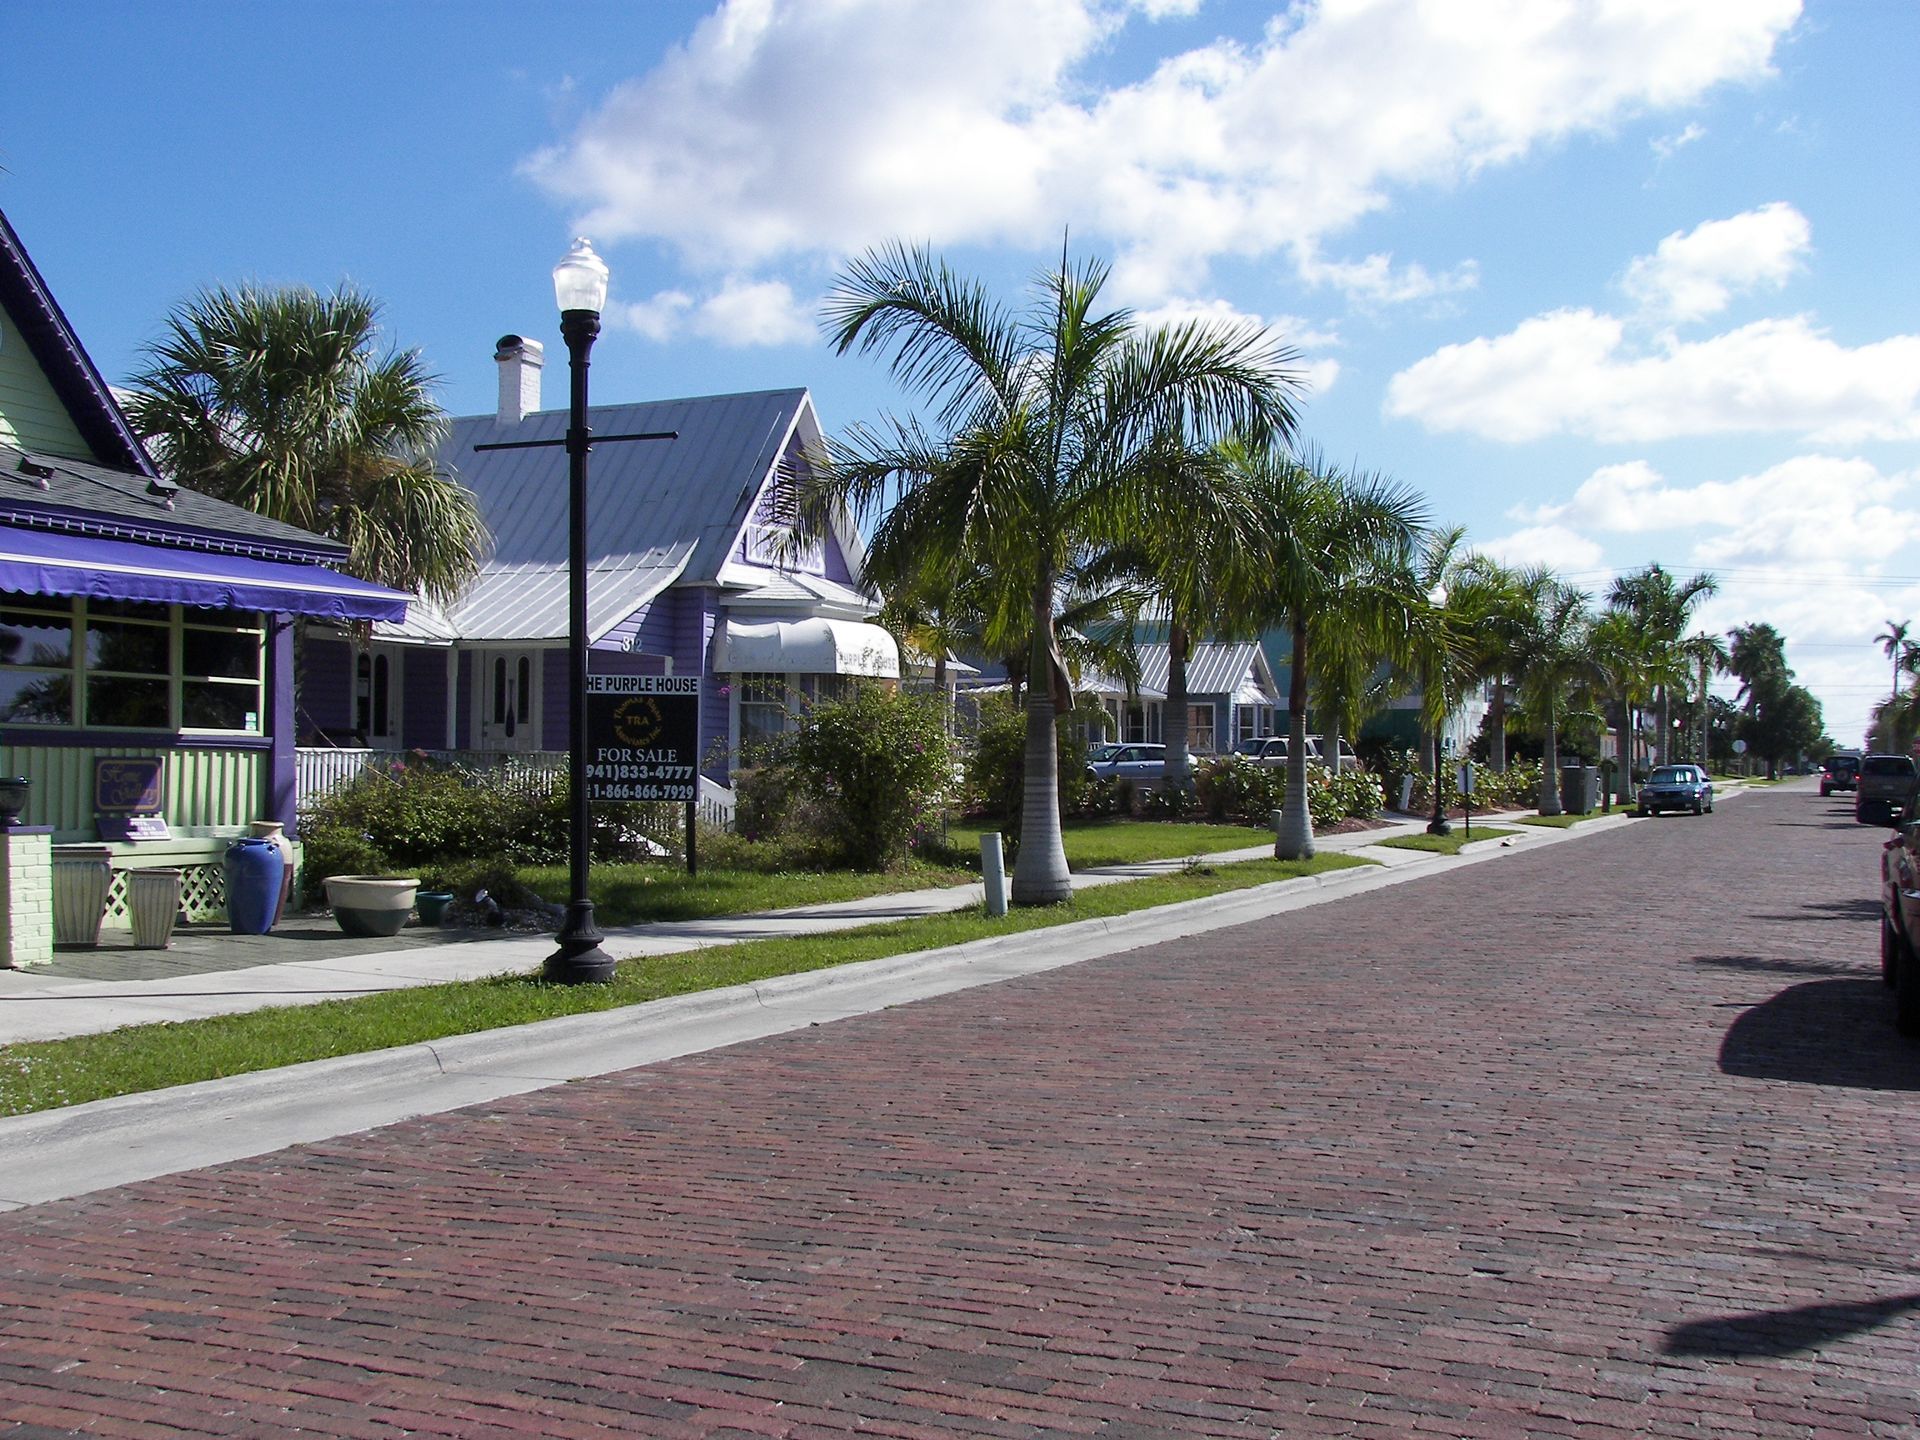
[58, 1154]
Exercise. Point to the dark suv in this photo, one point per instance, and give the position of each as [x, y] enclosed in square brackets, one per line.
[1839, 772]
[1886, 782]
[1900, 918]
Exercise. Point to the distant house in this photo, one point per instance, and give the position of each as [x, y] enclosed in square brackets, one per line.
[692, 573]
[139, 620]
[1231, 696]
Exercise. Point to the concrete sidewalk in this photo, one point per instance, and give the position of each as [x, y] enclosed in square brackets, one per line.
[228, 974]
[60, 1153]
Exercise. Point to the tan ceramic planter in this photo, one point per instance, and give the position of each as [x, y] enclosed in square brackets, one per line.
[371, 904]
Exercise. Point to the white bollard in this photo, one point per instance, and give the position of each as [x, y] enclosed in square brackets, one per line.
[993, 869]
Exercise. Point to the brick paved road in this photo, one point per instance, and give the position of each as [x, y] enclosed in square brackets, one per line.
[1609, 1138]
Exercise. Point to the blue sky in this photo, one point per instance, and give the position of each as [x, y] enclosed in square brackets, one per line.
[1607, 283]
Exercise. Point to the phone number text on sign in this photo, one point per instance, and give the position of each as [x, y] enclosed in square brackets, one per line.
[643, 732]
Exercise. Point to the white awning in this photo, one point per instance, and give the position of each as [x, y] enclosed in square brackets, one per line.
[807, 647]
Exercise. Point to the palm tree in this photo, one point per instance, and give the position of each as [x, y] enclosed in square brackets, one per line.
[279, 401]
[1662, 606]
[1893, 643]
[1196, 581]
[1624, 657]
[1708, 653]
[1439, 643]
[1757, 653]
[1058, 428]
[1333, 554]
[1552, 657]
[1497, 603]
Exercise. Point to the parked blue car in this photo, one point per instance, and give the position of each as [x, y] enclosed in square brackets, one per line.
[1677, 787]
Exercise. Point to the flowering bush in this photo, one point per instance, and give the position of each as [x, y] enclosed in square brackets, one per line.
[1231, 787]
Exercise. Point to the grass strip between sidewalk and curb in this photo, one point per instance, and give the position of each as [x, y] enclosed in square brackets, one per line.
[1555, 822]
[1447, 844]
[46, 1075]
[1117, 840]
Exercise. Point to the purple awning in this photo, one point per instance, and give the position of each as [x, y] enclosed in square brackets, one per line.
[43, 562]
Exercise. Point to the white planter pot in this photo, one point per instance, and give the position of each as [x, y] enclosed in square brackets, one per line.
[153, 899]
[81, 878]
[371, 904]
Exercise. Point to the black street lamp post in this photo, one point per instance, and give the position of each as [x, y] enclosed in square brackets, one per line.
[580, 287]
[1438, 825]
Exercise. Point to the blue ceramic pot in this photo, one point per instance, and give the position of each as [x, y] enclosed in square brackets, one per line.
[253, 870]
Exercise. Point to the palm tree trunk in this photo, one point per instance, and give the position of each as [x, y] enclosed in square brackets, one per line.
[1666, 725]
[1040, 874]
[1174, 731]
[1550, 769]
[1497, 727]
[1623, 790]
[1706, 718]
[1295, 840]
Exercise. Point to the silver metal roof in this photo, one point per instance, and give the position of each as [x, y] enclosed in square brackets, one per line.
[1212, 669]
[657, 510]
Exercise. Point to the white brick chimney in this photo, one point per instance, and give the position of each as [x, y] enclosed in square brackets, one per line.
[519, 360]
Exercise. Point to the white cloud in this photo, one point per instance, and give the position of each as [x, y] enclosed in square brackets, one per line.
[1555, 546]
[1374, 280]
[787, 128]
[1573, 372]
[1819, 510]
[1666, 146]
[739, 313]
[1698, 273]
[1814, 546]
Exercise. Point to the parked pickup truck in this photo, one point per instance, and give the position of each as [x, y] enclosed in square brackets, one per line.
[1886, 782]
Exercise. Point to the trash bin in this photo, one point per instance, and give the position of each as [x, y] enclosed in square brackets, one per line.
[1579, 788]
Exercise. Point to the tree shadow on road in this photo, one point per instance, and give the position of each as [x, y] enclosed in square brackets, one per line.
[1768, 965]
[1863, 909]
[1784, 1332]
[1825, 1032]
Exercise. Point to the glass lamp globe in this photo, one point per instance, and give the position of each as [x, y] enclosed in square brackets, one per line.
[580, 279]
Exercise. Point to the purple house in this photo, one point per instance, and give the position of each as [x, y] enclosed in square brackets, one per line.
[690, 576]
[145, 630]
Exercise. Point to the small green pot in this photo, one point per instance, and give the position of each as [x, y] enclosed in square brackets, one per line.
[431, 906]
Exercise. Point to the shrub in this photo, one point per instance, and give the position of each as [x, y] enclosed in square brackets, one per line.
[1353, 793]
[880, 763]
[425, 817]
[996, 768]
[1232, 787]
[1393, 763]
[763, 795]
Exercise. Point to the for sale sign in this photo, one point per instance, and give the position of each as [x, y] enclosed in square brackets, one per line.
[643, 738]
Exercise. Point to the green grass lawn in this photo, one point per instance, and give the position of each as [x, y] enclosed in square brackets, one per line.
[1554, 822]
[636, 894]
[1114, 840]
[49, 1074]
[1448, 844]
